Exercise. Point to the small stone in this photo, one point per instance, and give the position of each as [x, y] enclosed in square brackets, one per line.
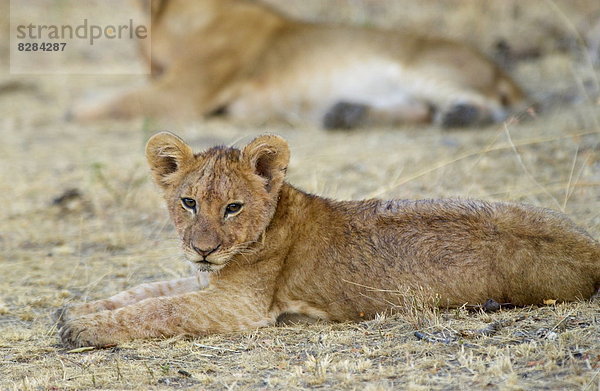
[491, 305]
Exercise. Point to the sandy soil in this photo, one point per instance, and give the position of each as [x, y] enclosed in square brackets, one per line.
[110, 231]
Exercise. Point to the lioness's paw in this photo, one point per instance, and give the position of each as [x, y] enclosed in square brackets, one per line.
[345, 115]
[464, 115]
[97, 106]
[89, 330]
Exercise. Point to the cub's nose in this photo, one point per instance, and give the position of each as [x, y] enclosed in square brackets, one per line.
[205, 253]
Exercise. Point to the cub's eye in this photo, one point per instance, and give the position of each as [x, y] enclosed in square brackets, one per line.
[188, 203]
[233, 208]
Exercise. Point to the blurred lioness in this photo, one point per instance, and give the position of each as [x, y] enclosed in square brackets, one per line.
[242, 59]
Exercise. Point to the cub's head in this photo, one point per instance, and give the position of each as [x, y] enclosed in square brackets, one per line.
[221, 200]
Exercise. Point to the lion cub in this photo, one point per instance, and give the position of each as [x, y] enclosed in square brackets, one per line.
[279, 250]
[247, 61]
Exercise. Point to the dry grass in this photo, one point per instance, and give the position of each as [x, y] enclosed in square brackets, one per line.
[116, 234]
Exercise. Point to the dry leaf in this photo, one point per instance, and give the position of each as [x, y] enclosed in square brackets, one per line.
[81, 350]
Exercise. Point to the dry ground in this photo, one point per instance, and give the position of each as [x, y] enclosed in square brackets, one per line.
[113, 232]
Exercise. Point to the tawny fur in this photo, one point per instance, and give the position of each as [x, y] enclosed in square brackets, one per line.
[249, 61]
[289, 252]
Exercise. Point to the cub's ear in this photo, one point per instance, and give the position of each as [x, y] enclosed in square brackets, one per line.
[268, 156]
[166, 154]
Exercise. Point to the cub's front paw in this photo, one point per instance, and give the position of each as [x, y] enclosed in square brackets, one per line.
[61, 315]
[90, 330]
[68, 312]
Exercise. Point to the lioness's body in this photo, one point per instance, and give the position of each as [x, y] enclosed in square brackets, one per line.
[285, 251]
[252, 63]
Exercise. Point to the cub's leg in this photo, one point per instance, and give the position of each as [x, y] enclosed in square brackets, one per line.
[197, 313]
[131, 296]
[291, 319]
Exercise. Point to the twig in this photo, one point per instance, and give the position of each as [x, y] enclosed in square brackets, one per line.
[215, 348]
[591, 380]
[490, 329]
[567, 190]
[81, 350]
[525, 169]
[560, 322]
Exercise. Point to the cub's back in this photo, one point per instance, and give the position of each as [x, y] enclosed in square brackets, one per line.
[479, 250]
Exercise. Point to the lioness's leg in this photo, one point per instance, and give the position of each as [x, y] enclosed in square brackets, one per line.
[156, 100]
[197, 313]
[347, 115]
[189, 89]
[131, 296]
[456, 106]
